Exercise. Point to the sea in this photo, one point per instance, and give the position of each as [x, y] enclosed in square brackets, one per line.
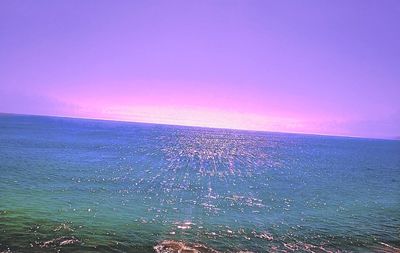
[80, 185]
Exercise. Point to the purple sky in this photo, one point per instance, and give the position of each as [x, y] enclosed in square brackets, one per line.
[329, 67]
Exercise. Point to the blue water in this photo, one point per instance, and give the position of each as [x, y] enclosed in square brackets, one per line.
[73, 185]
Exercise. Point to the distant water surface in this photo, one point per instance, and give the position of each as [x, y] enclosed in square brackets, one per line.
[73, 185]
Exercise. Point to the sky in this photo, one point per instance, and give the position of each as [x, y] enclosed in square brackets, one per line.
[325, 67]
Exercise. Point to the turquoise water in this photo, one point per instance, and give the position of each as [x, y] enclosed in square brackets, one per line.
[72, 185]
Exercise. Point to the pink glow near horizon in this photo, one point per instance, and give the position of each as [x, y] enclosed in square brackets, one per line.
[313, 67]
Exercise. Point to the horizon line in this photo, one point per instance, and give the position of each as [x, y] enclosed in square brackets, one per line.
[206, 127]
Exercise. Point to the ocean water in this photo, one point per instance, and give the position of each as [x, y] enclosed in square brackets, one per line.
[73, 185]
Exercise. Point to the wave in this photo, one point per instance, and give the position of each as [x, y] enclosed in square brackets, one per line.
[170, 246]
[61, 241]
